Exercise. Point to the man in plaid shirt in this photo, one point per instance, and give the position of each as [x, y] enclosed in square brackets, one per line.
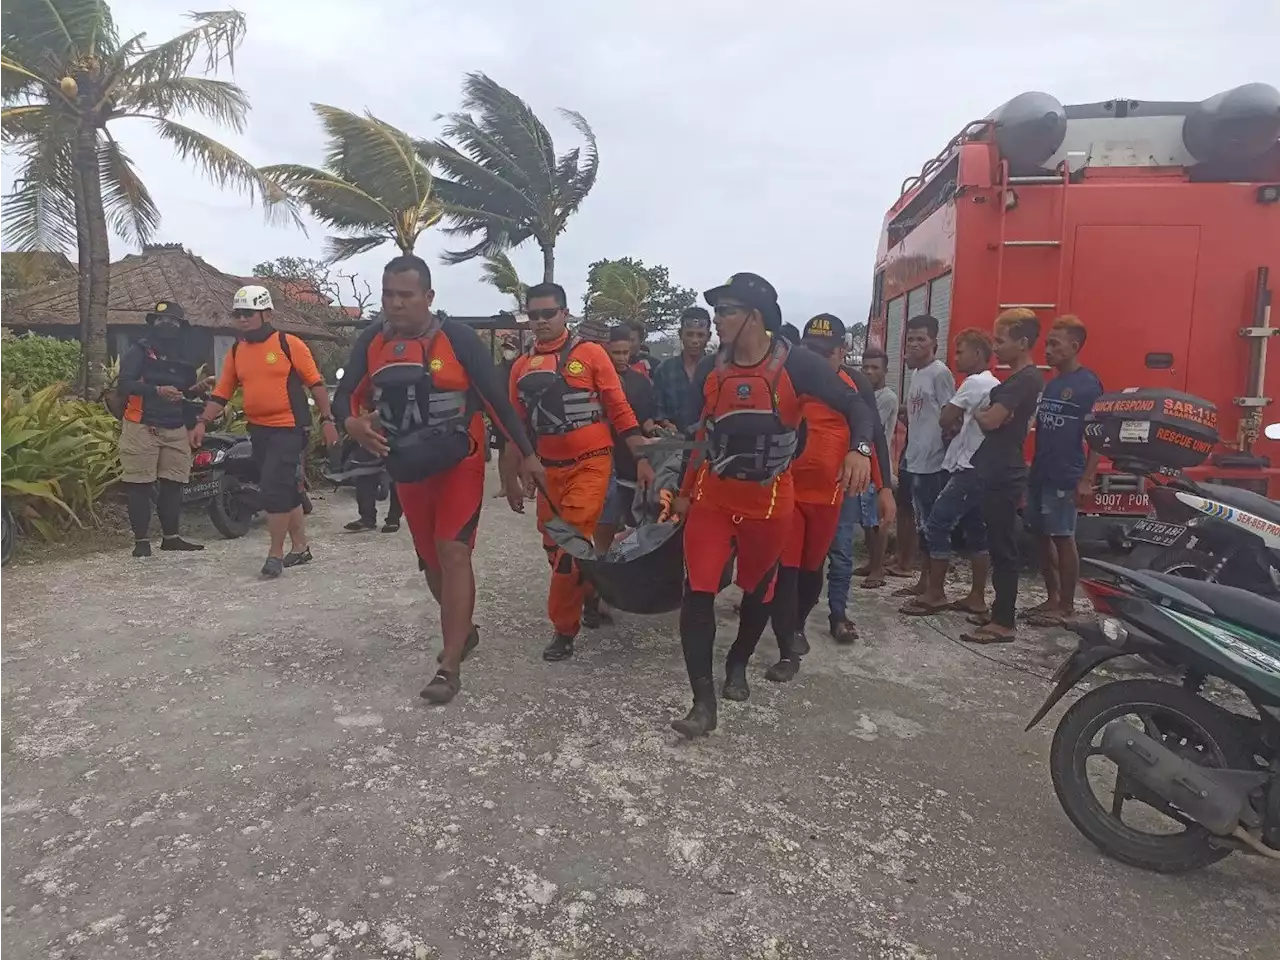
[673, 380]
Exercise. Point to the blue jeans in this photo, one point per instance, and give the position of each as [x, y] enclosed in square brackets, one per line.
[840, 557]
[958, 505]
[1051, 512]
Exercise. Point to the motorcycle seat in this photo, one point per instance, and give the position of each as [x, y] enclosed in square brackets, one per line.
[1231, 603]
[1246, 500]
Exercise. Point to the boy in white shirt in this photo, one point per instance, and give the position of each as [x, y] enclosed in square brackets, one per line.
[959, 503]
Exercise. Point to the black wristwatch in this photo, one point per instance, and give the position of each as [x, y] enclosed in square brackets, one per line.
[863, 448]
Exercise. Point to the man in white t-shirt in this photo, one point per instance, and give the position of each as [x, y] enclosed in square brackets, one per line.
[959, 503]
[932, 387]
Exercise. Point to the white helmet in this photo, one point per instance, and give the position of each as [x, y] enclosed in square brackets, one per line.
[252, 298]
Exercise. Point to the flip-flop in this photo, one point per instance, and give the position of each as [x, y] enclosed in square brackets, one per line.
[959, 607]
[1045, 620]
[862, 571]
[978, 619]
[899, 574]
[874, 583]
[982, 637]
[1035, 611]
[918, 608]
[905, 592]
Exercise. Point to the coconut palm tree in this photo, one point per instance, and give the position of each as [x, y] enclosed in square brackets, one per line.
[502, 182]
[500, 273]
[620, 294]
[68, 80]
[373, 187]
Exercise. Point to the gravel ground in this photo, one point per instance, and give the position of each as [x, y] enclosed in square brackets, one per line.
[198, 764]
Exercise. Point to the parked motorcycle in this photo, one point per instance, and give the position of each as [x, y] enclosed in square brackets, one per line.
[235, 497]
[1203, 531]
[1194, 779]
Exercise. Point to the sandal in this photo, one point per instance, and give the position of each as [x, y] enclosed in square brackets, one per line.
[959, 606]
[444, 686]
[919, 608]
[1046, 619]
[874, 583]
[862, 571]
[1037, 610]
[911, 591]
[979, 619]
[899, 574]
[987, 637]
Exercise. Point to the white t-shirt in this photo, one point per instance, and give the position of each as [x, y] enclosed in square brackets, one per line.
[972, 396]
[931, 389]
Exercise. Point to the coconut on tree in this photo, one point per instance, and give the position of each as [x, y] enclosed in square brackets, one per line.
[502, 182]
[69, 82]
[374, 186]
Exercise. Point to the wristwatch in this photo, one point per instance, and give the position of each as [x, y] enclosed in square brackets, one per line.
[328, 419]
[864, 448]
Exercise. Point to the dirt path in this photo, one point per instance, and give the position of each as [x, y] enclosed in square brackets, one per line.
[201, 765]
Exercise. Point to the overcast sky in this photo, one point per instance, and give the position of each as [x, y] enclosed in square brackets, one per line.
[734, 134]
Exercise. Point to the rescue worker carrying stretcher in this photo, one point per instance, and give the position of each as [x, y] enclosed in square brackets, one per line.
[567, 391]
[425, 382]
[819, 498]
[740, 492]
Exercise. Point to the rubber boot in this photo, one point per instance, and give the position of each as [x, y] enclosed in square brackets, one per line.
[784, 670]
[735, 682]
[799, 643]
[701, 718]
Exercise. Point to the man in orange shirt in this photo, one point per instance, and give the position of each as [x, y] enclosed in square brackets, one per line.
[568, 393]
[426, 381]
[819, 498]
[275, 371]
[740, 493]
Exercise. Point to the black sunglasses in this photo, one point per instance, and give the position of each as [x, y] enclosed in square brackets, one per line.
[548, 313]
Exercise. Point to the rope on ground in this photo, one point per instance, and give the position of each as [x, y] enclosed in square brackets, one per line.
[978, 653]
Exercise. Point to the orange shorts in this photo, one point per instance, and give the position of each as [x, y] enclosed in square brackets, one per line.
[813, 527]
[444, 507]
[710, 537]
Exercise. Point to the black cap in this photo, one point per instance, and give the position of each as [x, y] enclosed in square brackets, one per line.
[170, 309]
[790, 333]
[754, 291]
[825, 326]
[695, 318]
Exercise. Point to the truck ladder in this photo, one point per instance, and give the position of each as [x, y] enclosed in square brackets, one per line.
[1008, 202]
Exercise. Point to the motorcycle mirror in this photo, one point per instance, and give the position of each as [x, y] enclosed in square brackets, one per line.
[338, 375]
[1273, 431]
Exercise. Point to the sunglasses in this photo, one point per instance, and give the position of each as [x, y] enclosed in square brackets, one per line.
[548, 313]
[729, 309]
[243, 314]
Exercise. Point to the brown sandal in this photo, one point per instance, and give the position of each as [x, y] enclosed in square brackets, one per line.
[918, 608]
[986, 637]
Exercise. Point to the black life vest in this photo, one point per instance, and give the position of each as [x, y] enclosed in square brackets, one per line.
[424, 403]
[554, 407]
[747, 437]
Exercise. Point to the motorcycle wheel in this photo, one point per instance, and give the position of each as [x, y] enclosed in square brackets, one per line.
[1185, 724]
[226, 512]
[10, 537]
[1172, 560]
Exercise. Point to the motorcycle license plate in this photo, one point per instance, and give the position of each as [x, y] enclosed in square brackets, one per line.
[1157, 532]
[1128, 503]
[200, 490]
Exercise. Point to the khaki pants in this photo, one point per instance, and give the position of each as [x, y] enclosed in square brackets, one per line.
[151, 453]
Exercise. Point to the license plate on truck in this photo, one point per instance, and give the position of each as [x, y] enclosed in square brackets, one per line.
[1157, 532]
[200, 490]
[1118, 503]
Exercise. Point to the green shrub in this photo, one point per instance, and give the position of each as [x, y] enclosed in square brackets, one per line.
[32, 362]
[58, 457]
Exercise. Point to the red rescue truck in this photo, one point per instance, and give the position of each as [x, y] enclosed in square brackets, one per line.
[1156, 223]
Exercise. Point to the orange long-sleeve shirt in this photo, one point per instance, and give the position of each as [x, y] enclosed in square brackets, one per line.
[589, 368]
[816, 471]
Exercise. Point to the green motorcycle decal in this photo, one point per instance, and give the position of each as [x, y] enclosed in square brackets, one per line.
[1258, 656]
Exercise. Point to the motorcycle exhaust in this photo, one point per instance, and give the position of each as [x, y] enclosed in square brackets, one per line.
[1216, 799]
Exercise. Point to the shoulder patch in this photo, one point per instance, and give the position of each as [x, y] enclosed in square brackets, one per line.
[575, 366]
[435, 364]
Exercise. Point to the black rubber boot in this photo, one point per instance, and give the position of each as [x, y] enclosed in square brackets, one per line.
[177, 543]
[142, 548]
[735, 682]
[444, 686]
[701, 718]
[784, 670]
[591, 618]
[360, 525]
[560, 648]
[799, 643]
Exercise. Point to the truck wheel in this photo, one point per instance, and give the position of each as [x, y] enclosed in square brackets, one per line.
[226, 510]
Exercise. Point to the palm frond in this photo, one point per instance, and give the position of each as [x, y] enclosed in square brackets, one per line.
[513, 124]
[216, 34]
[341, 248]
[30, 122]
[329, 198]
[226, 168]
[500, 273]
[575, 179]
[40, 213]
[468, 183]
[218, 100]
[36, 31]
[131, 212]
[18, 81]
[377, 156]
